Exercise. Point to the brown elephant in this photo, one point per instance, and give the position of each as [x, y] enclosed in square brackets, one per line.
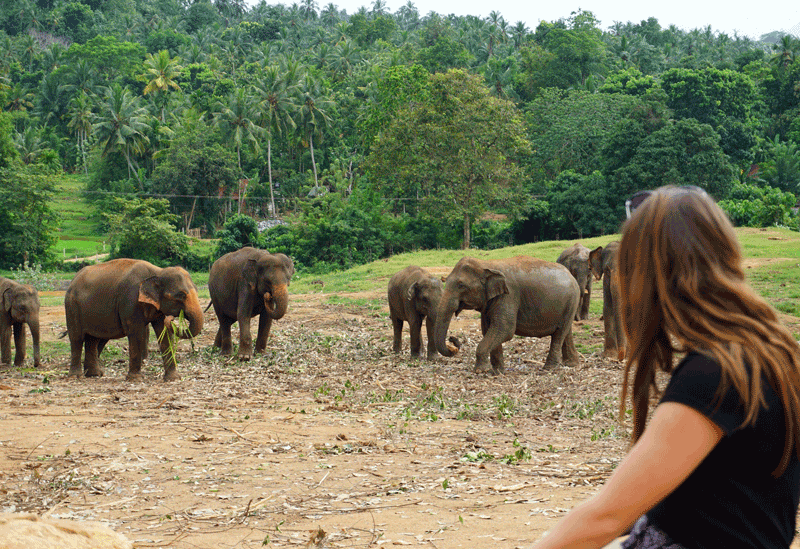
[123, 297]
[20, 306]
[576, 259]
[603, 262]
[516, 296]
[414, 296]
[247, 283]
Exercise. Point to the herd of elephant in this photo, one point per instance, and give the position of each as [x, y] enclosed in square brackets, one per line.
[124, 297]
[517, 296]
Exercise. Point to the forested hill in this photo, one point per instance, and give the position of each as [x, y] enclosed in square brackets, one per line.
[362, 135]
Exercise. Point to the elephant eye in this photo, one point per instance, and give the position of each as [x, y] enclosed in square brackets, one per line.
[181, 295]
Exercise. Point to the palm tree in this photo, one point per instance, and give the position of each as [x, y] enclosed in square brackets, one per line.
[379, 7]
[308, 9]
[344, 57]
[330, 14]
[519, 33]
[80, 122]
[312, 117]
[785, 51]
[237, 117]
[120, 126]
[82, 77]
[276, 107]
[29, 143]
[162, 73]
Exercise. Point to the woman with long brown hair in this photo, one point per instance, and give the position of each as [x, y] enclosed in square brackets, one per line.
[717, 466]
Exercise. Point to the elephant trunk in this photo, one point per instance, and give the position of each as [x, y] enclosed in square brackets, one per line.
[194, 314]
[33, 324]
[444, 312]
[277, 303]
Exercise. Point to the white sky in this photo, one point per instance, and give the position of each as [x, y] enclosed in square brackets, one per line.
[747, 18]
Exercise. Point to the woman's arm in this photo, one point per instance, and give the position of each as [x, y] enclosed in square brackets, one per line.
[675, 442]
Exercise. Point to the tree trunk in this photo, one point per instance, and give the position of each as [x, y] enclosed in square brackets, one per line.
[467, 235]
[313, 162]
[269, 169]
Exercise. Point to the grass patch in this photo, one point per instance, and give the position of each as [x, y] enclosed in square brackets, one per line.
[777, 283]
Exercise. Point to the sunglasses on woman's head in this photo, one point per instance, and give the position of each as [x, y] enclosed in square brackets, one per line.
[640, 196]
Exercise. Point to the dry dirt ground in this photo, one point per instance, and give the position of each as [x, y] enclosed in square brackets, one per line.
[326, 440]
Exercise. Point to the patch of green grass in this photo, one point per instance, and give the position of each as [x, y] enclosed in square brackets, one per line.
[777, 283]
[371, 304]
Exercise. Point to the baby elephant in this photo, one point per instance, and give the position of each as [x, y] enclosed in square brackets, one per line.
[414, 295]
[20, 306]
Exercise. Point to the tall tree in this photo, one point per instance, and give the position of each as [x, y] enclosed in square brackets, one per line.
[120, 126]
[238, 118]
[457, 150]
[276, 106]
[161, 74]
[312, 115]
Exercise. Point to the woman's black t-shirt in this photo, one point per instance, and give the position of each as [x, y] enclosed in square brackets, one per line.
[731, 500]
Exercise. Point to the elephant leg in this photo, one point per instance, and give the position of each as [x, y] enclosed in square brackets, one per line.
[136, 343]
[5, 343]
[586, 300]
[569, 353]
[430, 330]
[264, 326]
[415, 329]
[610, 320]
[495, 333]
[146, 348]
[223, 337]
[167, 345]
[497, 361]
[91, 363]
[101, 344]
[75, 350]
[555, 356]
[245, 339]
[397, 341]
[19, 344]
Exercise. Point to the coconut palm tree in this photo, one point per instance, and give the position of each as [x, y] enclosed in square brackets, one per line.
[237, 117]
[121, 125]
[80, 122]
[312, 115]
[276, 106]
[161, 72]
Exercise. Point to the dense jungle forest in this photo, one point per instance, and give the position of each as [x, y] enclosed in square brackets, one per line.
[351, 137]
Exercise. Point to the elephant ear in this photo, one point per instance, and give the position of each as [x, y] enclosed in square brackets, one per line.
[495, 284]
[7, 299]
[250, 274]
[150, 292]
[412, 290]
[596, 262]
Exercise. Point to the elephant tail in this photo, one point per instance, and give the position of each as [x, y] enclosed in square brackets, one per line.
[63, 334]
[210, 303]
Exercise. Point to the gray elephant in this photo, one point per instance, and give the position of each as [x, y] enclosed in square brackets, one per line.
[20, 306]
[247, 283]
[603, 262]
[516, 296]
[124, 297]
[576, 259]
[414, 296]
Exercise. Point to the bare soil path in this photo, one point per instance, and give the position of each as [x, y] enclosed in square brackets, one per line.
[326, 440]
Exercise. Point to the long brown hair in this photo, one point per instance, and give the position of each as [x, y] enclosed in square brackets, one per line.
[682, 287]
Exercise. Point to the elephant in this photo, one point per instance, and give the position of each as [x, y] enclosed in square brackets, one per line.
[414, 296]
[576, 259]
[603, 262]
[246, 283]
[20, 306]
[123, 297]
[516, 296]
